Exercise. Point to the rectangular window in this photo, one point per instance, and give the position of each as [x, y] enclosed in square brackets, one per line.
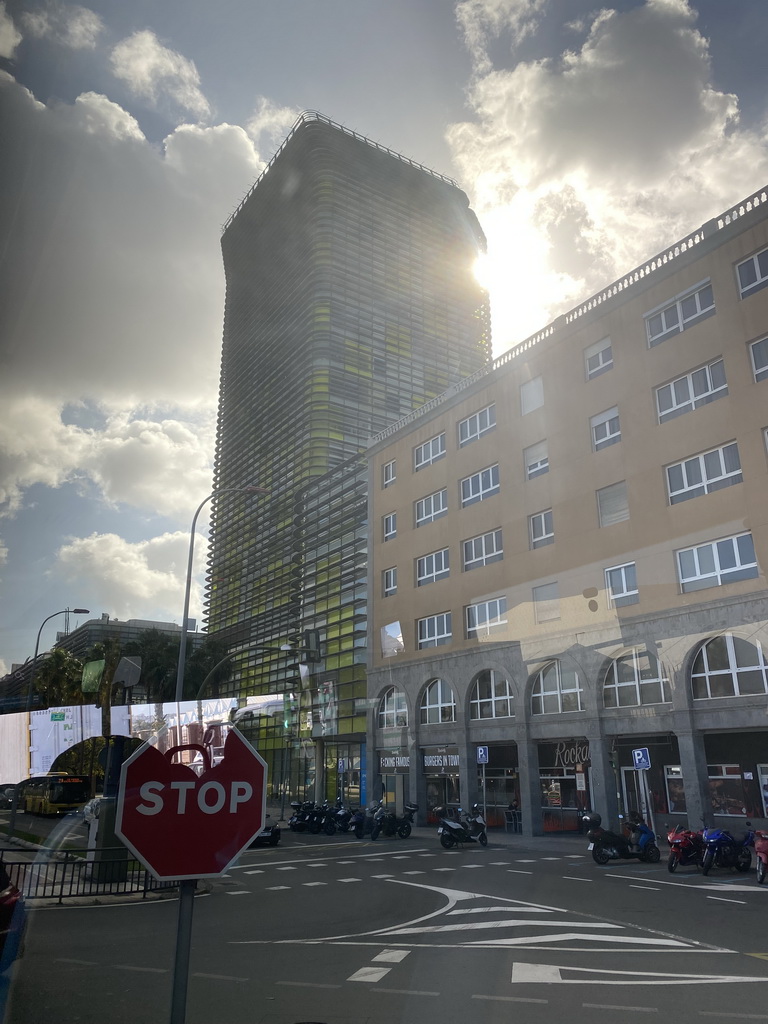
[390, 526]
[483, 550]
[388, 473]
[719, 562]
[621, 584]
[434, 630]
[389, 581]
[429, 452]
[536, 460]
[759, 353]
[753, 273]
[485, 616]
[598, 358]
[683, 312]
[531, 395]
[612, 504]
[606, 429]
[546, 602]
[432, 507]
[432, 567]
[480, 485]
[702, 474]
[476, 425]
[541, 530]
[691, 391]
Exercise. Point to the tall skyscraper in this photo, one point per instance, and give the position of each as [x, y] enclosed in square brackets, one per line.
[351, 301]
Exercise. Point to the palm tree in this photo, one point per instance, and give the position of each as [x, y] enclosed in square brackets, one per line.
[57, 678]
[159, 655]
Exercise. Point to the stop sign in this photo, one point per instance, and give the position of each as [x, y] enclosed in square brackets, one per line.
[181, 825]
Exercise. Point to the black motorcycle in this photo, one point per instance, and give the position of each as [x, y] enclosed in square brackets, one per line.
[342, 817]
[605, 845]
[362, 821]
[303, 814]
[387, 823]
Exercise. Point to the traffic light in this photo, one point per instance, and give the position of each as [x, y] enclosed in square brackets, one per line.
[311, 645]
[290, 709]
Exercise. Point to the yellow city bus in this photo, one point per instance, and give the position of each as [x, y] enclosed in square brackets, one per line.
[56, 793]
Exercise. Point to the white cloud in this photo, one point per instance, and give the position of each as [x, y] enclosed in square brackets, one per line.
[10, 37]
[481, 21]
[584, 166]
[153, 72]
[75, 27]
[271, 121]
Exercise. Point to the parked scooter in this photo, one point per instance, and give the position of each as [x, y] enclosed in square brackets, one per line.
[761, 854]
[605, 845]
[387, 823]
[457, 831]
[363, 820]
[686, 847]
[722, 850]
[303, 813]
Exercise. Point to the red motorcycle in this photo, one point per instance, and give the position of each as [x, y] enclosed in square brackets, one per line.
[761, 852]
[685, 847]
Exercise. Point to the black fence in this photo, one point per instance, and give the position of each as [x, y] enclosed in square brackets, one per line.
[68, 874]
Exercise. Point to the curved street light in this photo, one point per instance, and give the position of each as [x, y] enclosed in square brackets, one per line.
[188, 587]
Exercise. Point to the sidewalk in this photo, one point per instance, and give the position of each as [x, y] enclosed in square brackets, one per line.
[556, 842]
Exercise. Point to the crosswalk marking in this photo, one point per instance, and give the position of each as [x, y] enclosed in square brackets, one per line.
[369, 974]
[391, 956]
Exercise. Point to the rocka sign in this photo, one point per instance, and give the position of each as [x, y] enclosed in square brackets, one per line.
[570, 753]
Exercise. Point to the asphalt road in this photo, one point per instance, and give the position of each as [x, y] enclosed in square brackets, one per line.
[347, 932]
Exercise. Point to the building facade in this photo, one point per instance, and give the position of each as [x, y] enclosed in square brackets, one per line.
[568, 558]
[350, 302]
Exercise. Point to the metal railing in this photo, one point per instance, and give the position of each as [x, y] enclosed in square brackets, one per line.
[69, 874]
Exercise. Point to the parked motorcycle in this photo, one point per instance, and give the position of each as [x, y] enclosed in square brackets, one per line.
[761, 854]
[303, 813]
[457, 831]
[387, 823]
[605, 845]
[342, 817]
[722, 850]
[362, 821]
[686, 847]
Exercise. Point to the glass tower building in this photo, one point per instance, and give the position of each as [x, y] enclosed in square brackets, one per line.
[350, 302]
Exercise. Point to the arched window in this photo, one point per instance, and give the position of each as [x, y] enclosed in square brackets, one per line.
[727, 666]
[393, 712]
[438, 704]
[491, 696]
[633, 679]
[555, 690]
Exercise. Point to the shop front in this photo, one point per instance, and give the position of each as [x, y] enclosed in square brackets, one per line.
[565, 788]
[441, 777]
[499, 784]
[394, 767]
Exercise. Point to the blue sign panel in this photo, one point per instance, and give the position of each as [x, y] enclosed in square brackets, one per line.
[641, 759]
[482, 755]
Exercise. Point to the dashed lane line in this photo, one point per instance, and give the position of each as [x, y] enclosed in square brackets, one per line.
[609, 1006]
[349, 879]
[238, 892]
[71, 960]
[305, 861]
[722, 899]
[314, 883]
[145, 970]
[217, 977]
[306, 984]
[575, 878]
[276, 888]
[509, 999]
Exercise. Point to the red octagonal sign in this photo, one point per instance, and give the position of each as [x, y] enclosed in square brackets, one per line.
[181, 825]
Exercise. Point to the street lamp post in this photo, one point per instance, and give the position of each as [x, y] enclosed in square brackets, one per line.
[188, 586]
[30, 690]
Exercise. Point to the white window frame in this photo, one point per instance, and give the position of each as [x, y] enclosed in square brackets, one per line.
[605, 428]
[541, 529]
[546, 602]
[482, 550]
[621, 584]
[548, 684]
[602, 513]
[683, 311]
[706, 676]
[473, 427]
[759, 349]
[738, 549]
[389, 525]
[701, 474]
[433, 567]
[641, 688]
[499, 702]
[758, 270]
[692, 390]
[479, 486]
[484, 616]
[433, 631]
[431, 507]
[536, 459]
[389, 581]
[438, 703]
[598, 358]
[531, 395]
[393, 710]
[428, 452]
[389, 473]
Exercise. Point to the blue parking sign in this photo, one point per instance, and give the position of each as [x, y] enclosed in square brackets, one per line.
[641, 759]
[482, 755]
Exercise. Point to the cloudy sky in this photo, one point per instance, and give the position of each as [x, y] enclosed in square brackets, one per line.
[587, 138]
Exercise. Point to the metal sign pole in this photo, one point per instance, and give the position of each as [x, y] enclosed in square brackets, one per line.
[183, 943]
[485, 800]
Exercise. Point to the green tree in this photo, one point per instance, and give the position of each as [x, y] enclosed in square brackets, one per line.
[159, 657]
[203, 659]
[57, 678]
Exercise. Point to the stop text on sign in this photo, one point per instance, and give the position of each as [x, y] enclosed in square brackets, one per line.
[211, 797]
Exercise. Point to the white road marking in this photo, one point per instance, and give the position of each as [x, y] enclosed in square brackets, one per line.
[414, 872]
[148, 970]
[391, 956]
[649, 888]
[305, 862]
[463, 926]
[737, 1016]
[519, 861]
[524, 973]
[518, 871]
[346, 862]
[401, 856]
[473, 865]
[498, 910]
[405, 991]
[276, 888]
[445, 869]
[306, 984]
[238, 892]
[290, 868]
[575, 878]
[722, 899]
[314, 883]
[381, 876]
[256, 871]
[316, 864]
[218, 977]
[349, 879]
[574, 856]
[510, 999]
[694, 884]
[69, 960]
[549, 858]
[370, 974]
[608, 1006]
[500, 863]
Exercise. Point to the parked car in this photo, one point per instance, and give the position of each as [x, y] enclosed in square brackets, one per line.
[13, 920]
[269, 836]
